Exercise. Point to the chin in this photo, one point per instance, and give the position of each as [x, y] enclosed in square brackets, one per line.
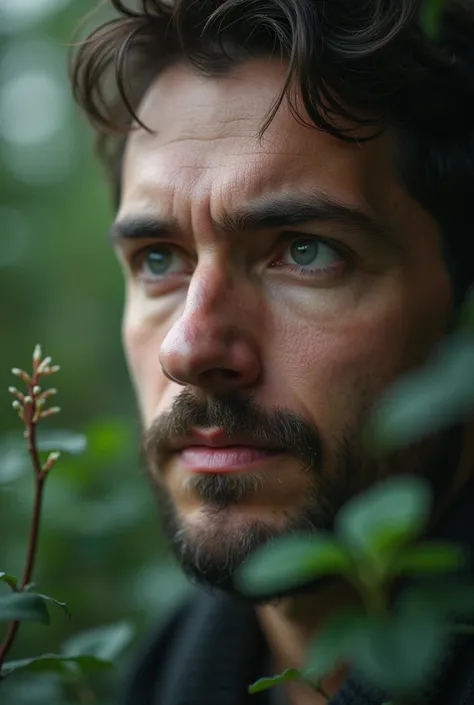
[212, 540]
[215, 544]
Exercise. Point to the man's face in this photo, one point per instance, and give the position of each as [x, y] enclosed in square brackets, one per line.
[283, 283]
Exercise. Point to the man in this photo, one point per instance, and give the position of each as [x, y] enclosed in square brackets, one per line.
[294, 188]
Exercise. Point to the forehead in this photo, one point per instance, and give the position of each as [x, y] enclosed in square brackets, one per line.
[206, 134]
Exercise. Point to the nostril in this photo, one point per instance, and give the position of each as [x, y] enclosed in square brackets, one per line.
[229, 374]
[221, 373]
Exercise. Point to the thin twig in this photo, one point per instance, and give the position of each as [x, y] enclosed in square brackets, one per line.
[32, 551]
[40, 477]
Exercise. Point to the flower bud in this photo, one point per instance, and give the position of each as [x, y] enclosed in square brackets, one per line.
[48, 393]
[36, 390]
[37, 354]
[16, 404]
[28, 400]
[50, 370]
[52, 458]
[50, 412]
[20, 373]
[43, 365]
[19, 395]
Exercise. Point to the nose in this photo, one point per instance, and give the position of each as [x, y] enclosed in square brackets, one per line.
[212, 345]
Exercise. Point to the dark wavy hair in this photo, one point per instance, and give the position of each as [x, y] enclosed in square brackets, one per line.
[366, 60]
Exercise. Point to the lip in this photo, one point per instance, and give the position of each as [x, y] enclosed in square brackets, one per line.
[214, 450]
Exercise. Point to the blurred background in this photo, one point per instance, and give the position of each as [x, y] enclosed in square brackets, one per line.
[100, 550]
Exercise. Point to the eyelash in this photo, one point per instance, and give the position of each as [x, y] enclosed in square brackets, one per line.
[138, 257]
[344, 252]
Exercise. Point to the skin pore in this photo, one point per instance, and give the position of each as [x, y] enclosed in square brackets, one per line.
[293, 269]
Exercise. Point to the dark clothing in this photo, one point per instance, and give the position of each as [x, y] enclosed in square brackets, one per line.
[212, 648]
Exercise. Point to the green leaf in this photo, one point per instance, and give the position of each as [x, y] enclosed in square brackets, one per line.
[334, 643]
[400, 653]
[450, 600]
[30, 586]
[434, 557]
[431, 11]
[57, 663]
[427, 400]
[62, 440]
[11, 580]
[105, 643]
[291, 674]
[292, 560]
[23, 607]
[63, 605]
[375, 523]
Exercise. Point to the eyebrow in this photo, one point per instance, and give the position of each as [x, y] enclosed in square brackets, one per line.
[271, 211]
[134, 227]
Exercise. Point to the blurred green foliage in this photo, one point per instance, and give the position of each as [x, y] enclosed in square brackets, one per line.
[101, 550]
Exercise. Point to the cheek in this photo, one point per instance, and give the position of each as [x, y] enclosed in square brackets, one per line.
[327, 366]
[141, 341]
[334, 365]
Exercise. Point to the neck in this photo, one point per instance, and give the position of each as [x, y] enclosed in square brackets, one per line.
[290, 624]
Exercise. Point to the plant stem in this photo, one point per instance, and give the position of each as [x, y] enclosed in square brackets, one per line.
[84, 694]
[40, 478]
[323, 692]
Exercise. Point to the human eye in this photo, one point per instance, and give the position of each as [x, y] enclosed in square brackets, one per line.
[159, 264]
[311, 256]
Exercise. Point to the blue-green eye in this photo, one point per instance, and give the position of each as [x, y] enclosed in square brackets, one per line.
[310, 252]
[157, 262]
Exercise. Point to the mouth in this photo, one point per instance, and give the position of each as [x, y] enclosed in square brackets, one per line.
[215, 451]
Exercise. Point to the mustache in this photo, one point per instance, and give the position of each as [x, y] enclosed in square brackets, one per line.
[236, 413]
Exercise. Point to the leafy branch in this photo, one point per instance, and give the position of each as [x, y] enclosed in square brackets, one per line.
[91, 650]
[394, 642]
[31, 408]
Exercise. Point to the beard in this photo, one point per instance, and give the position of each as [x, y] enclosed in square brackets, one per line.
[211, 554]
